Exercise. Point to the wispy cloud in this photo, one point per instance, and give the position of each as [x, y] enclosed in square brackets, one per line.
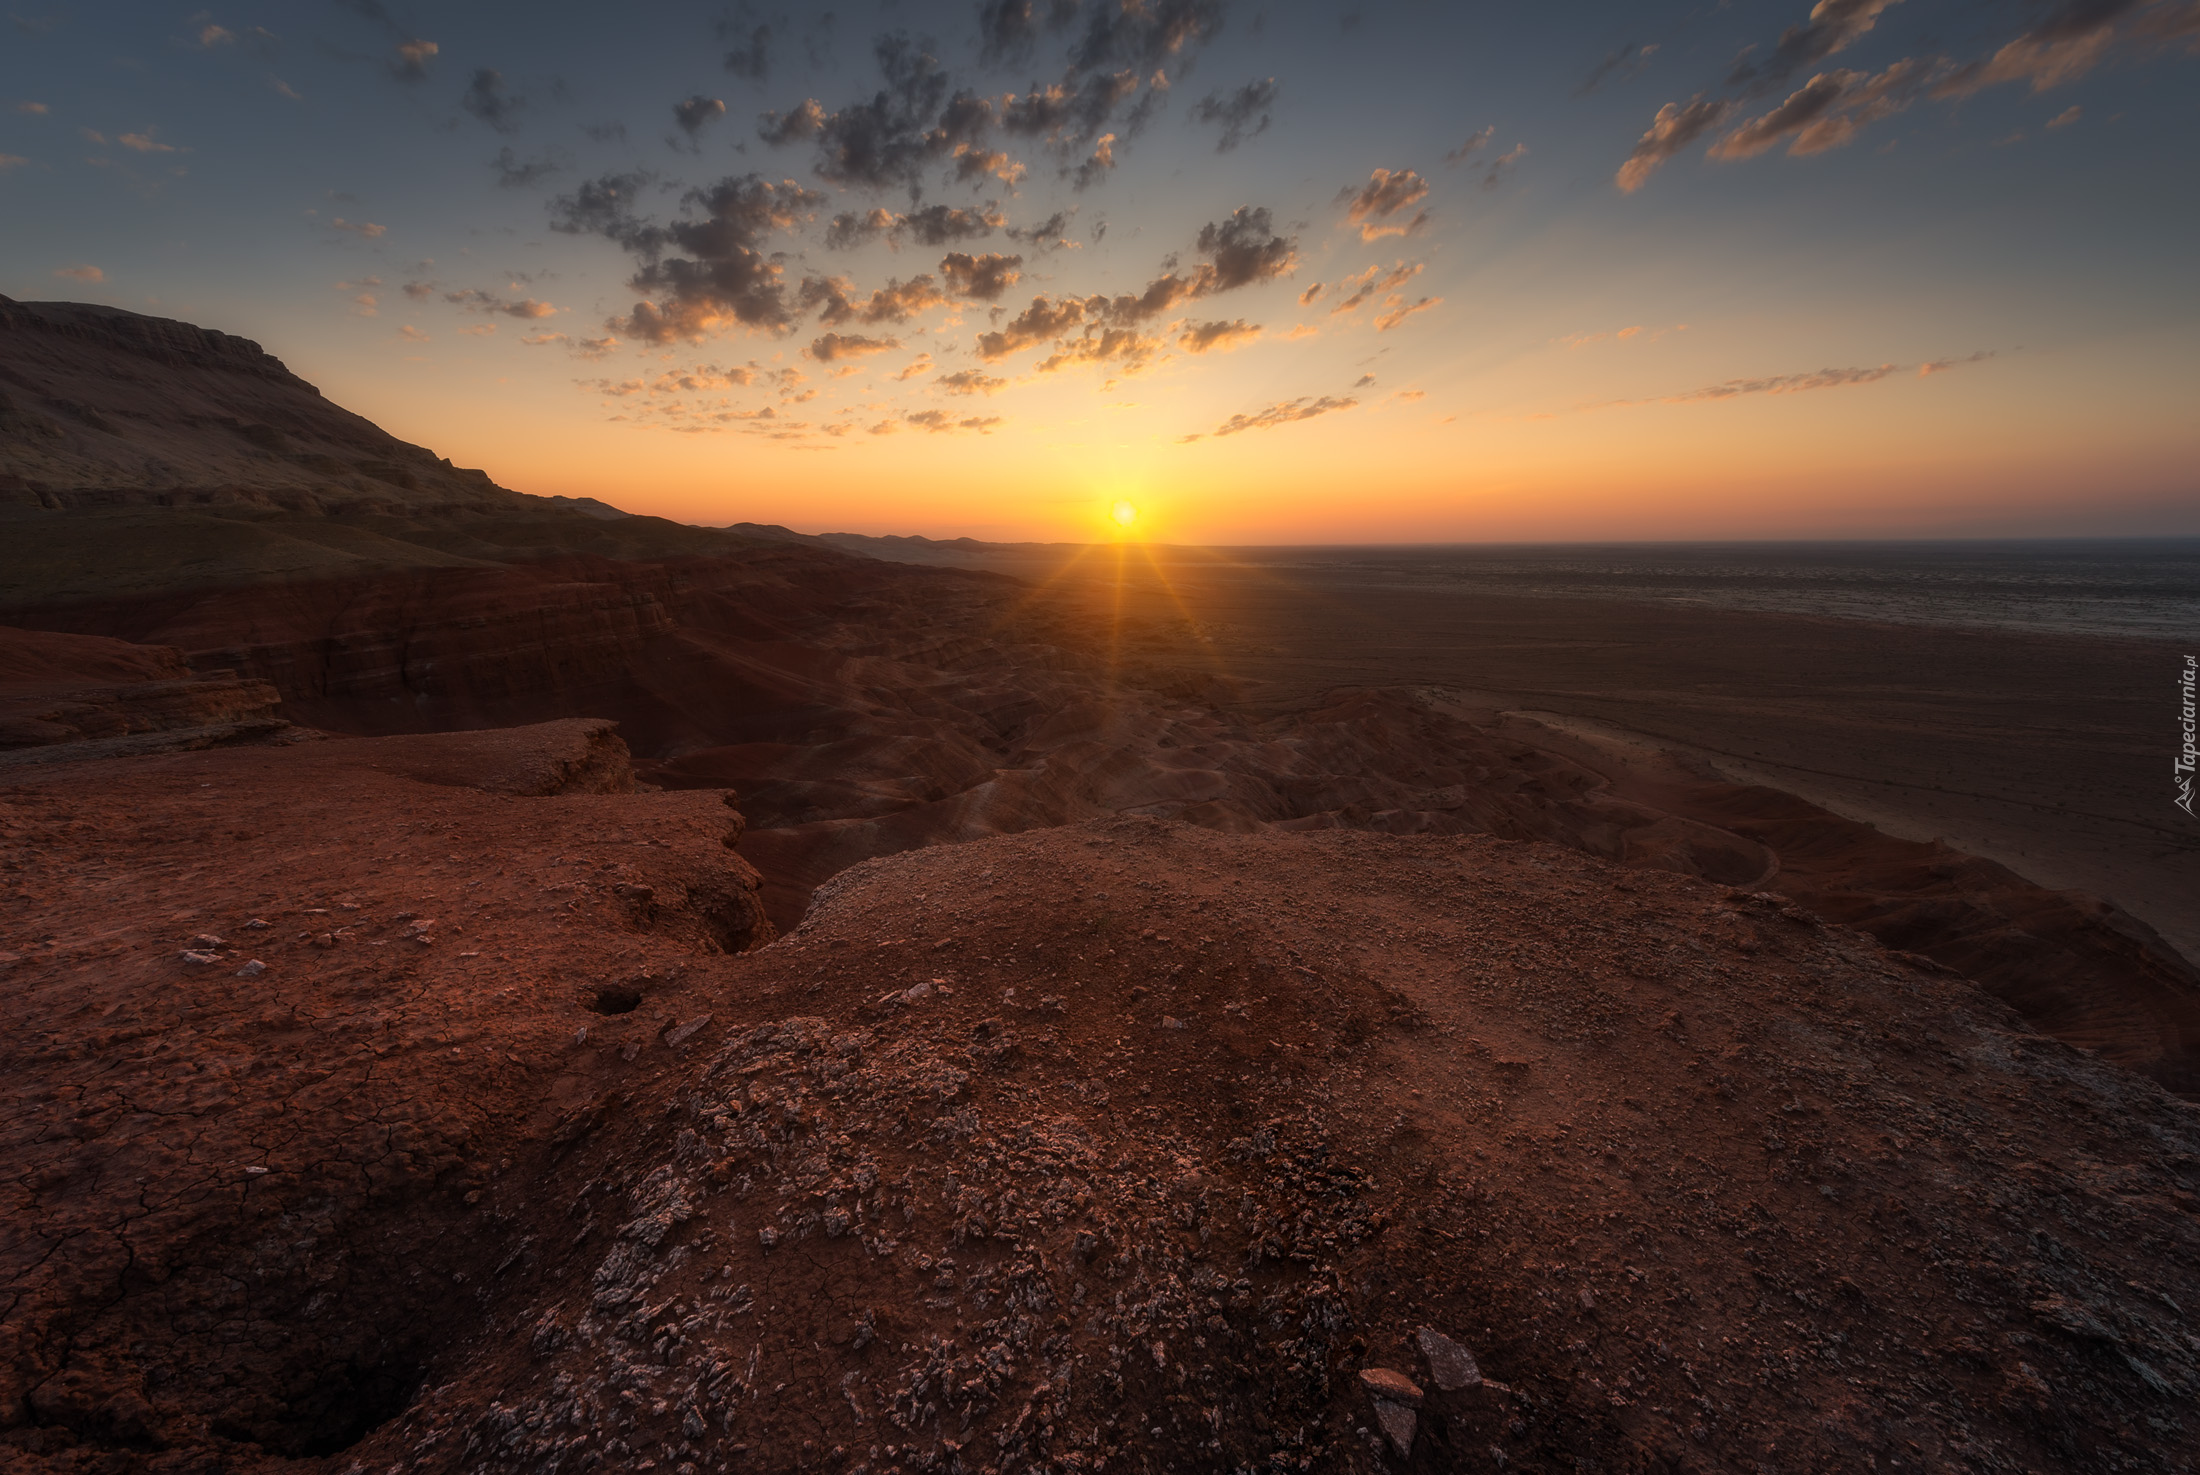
[1375, 206]
[1288, 412]
[81, 273]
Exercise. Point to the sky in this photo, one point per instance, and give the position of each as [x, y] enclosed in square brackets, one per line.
[1269, 273]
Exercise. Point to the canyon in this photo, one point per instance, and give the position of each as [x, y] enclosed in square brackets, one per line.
[506, 984]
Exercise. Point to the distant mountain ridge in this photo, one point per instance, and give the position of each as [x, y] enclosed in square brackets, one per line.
[144, 456]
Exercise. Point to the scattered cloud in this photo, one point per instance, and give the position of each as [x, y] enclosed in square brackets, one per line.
[939, 422]
[491, 102]
[896, 302]
[145, 143]
[473, 299]
[1096, 168]
[750, 54]
[81, 273]
[1833, 25]
[594, 348]
[723, 278]
[1786, 384]
[35, 108]
[984, 278]
[1675, 128]
[1218, 336]
[1622, 65]
[835, 347]
[694, 112]
[365, 229]
[974, 165]
[1942, 366]
[410, 334]
[479, 330]
[516, 173]
[969, 381]
[1827, 111]
[1242, 114]
[1386, 195]
[211, 36]
[2066, 117]
[1049, 234]
[910, 124]
[11, 161]
[1410, 396]
[1500, 168]
[1306, 407]
[921, 364]
[1361, 286]
[1472, 146]
[1311, 295]
[1396, 310]
[412, 59]
[284, 89]
[541, 340]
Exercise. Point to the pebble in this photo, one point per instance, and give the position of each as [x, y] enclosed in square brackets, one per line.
[252, 969]
[199, 959]
[1398, 1424]
[1450, 1366]
[687, 1031]
[1387, 1386]
[209, 941]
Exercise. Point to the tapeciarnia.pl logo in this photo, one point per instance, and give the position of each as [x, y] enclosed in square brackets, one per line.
[2187, 755]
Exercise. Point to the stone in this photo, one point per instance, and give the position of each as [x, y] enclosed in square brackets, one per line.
[209, 942]
[252, 969]
[199, 959]
[915, 992]
[1398, 1423]
[1450, 1366]
[687, 1031]
[1388, 1386]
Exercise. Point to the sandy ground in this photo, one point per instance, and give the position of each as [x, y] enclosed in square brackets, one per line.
[2049, 754]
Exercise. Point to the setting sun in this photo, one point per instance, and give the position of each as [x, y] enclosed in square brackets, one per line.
[1125, 514]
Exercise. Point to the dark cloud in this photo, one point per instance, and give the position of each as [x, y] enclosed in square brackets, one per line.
[850, 231]
[794, 125]
[1041, 322]
[939, 225]
[491, 102]
[975, 164]
[1203, 337]
[1622, 65]
[1306, 407]
[603, 206]
[896, 302]
[514, 172]
[694, 112]
[1676, 126]
[1245, 249]
[1386, 195]
[750, 55]
[1047, 235]
[970, 381]
[1310, 295]
[834, 347]
[1007, 28]
[606, 132]
[1243, 114]
[1834, 25]
[1068, 114]
[721, 276]
[982, 277]
[912, 122]
[1144, 34]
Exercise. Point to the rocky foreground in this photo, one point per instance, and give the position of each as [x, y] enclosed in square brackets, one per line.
[428, 1103]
